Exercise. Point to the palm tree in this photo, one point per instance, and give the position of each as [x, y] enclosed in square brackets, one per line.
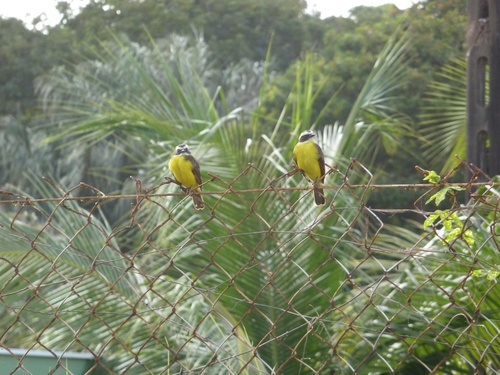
[252, 284]
[443, 121]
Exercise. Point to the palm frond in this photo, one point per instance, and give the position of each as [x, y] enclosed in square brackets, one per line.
[374, 101]
[443, 124]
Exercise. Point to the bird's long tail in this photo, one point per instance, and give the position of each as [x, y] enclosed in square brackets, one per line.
[319, 195]
[198, 202]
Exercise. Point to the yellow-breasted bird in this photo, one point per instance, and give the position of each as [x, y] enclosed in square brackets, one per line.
[186, 171]
[309, 158]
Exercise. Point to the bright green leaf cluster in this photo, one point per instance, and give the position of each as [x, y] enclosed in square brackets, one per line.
[432, 177]
[490, 274]
[439, 196]
[452, 225]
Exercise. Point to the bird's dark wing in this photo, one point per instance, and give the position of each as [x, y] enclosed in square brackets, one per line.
[196, 170]
[321, 160]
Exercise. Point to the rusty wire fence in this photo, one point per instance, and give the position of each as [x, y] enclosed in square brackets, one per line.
[260, 282]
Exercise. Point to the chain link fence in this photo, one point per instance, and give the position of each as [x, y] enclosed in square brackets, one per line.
[260, 282]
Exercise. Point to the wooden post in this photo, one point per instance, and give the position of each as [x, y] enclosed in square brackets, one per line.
[483, 105]
[494, 108]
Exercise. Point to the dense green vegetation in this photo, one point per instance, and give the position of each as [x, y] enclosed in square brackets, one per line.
[237, 36]
[110, 91]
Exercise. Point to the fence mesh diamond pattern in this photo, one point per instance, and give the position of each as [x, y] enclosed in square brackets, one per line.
[260, 282]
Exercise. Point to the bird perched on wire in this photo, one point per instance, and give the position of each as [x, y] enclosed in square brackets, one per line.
[309, 158]
[186, 171]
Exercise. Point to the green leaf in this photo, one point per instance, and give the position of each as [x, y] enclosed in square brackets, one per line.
[478, 273]
[432, 177]
[469, 237]
[438, 197]
[453, 235]
[431, 219]
[490, 275]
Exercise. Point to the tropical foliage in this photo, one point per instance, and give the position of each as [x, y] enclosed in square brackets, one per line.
[261, 281]
[150, 101]
[443, 122]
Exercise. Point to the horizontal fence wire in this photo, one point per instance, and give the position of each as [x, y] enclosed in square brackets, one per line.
[262, 281]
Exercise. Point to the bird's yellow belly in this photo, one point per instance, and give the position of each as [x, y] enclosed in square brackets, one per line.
[182, 169]
[306, 156]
